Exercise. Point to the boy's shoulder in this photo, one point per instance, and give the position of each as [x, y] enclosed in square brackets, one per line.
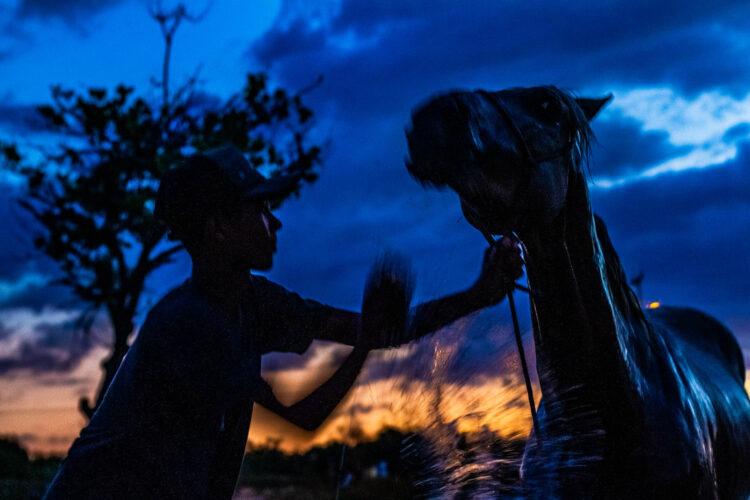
[180, 299]
[182, 307]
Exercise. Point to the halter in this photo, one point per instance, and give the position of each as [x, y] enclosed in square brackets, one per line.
[519, 199]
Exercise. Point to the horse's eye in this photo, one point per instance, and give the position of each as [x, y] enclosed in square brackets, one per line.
[549, 110]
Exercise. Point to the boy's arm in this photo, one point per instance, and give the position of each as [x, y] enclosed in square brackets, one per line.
[312, 410]
[502, 265]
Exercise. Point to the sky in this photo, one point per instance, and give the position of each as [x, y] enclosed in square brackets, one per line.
[668, 173]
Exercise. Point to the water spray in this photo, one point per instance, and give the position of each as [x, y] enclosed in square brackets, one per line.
[388, 291]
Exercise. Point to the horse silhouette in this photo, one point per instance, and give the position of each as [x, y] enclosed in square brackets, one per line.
[636, 404]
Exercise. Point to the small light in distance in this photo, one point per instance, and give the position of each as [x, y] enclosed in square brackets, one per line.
[653, 305]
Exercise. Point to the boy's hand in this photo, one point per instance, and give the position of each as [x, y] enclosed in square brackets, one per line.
[501, 267]
[385, 305]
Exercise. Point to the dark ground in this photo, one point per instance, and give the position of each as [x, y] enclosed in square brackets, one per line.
[395, 466]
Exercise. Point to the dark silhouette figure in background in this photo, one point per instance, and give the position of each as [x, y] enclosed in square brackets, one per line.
[635, 404]
[175, 419]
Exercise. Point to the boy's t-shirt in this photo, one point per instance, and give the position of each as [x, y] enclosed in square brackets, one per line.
[174, 421]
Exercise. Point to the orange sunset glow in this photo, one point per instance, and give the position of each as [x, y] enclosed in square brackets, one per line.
[418, 390]
[426, 384]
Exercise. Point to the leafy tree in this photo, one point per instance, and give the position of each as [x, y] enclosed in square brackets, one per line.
[93, 194]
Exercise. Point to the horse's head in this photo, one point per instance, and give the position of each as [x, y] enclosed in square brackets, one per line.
[507, 154]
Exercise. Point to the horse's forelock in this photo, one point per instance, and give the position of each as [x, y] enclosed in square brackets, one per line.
[582, 135]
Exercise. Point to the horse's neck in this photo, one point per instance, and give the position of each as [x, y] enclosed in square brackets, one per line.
[580, 328]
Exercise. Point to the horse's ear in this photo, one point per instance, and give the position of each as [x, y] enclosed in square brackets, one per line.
[591, 106]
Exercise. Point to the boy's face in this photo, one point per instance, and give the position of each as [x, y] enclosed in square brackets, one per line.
[250, 237]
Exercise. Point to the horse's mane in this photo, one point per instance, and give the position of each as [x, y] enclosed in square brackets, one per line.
[624, 296]
[581, 139]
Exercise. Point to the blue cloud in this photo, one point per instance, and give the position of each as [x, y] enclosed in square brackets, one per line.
[71, 11]
[20, 118]
[422, 46]
[26, 276]
[623, 148]
[688, 232]
[737, 133]
[56, 347]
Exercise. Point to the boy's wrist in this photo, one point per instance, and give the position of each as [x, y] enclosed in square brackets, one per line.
[485, 294]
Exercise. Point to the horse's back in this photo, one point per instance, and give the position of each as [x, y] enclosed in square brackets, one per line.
[697, 330]
[712, 367]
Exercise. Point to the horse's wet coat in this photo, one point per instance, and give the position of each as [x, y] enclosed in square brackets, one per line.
[635, 404]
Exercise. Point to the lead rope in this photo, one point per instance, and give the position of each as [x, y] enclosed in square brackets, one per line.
[521, 354]
[532, 163]
[519, 341]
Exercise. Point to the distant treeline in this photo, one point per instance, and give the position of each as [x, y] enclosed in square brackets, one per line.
[22, 477]
[374, 469]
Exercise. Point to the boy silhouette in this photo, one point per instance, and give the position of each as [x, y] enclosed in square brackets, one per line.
[175, 419]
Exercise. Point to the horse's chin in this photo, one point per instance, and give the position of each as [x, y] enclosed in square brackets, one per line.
[496, 227]
[490, 226]
[497, 224]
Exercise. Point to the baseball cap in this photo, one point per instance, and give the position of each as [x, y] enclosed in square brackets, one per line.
[207, 180]
[249, 181]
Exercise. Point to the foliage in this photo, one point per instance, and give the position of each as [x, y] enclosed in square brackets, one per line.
[314, 474]
[13, 458]
[20, 476]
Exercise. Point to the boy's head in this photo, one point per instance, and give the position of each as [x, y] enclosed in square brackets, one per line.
[217, 204]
